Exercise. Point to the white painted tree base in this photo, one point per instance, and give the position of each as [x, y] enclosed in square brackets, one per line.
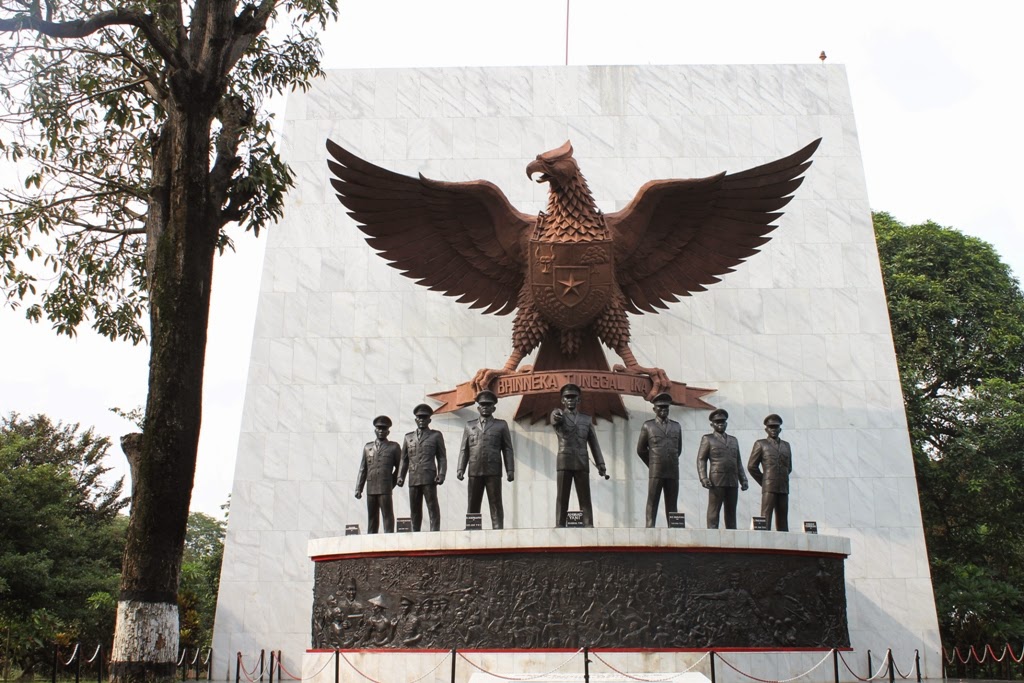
[145, 632]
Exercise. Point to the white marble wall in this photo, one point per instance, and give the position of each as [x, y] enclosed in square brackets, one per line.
[801, 329]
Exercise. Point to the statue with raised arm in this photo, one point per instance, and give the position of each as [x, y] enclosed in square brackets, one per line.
[575, 435]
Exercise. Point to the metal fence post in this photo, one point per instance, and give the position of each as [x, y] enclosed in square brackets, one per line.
[892, 667]
[263, 661]
[835, 663]
[713, 667]
[272, 658]
[238, 666]
[917, 665]
[337, 662]
[99, 664]
[586, 664]
[78, 662]
[453, 665]
[56, 659]
[871, 669]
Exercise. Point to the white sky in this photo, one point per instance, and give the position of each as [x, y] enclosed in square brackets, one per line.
[936, 91]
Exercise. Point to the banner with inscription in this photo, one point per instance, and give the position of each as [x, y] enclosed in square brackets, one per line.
[525, 383]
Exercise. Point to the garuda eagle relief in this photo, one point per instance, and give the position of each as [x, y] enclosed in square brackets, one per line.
[571, 273]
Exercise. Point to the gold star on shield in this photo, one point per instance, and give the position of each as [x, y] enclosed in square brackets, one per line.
[570, 285]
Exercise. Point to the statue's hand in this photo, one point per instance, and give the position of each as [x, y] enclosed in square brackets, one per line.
[438, 480]
[401, 481]
[744, 486]
[706, 484]
[511, 477]
[557, 416]
[460, 475]
[359, 494]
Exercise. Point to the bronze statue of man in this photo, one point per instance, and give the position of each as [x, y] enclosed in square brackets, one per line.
[486, 444]
[659, 446]
[770, 464]
[378, 471]
[424, 464]
[575, 432]
[720, 470]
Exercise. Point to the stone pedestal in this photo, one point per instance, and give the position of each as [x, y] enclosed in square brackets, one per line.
[564, 589]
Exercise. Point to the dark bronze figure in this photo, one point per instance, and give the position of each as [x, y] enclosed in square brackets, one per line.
[424, 463]
[486, 444]
[720, 470]
[770, 464]
[571, 273]
[575, 434]
[659, 446]
[378, 471]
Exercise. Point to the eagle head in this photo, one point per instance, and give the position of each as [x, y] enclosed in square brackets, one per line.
[556, 167]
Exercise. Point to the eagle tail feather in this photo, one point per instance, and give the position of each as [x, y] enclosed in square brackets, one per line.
[538, 407]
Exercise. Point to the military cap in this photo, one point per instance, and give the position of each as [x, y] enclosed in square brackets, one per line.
[486, 396]
[720, 412]
[382, 421]
[663, 399]
[570, 389]
[423, 409]
[773, 419]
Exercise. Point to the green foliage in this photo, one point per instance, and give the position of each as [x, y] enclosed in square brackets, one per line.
[139, 129]
[957, 317]
[61, 536]
[200, 579]
[85, 110]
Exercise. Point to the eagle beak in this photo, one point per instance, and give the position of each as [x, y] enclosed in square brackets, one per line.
[536, 166]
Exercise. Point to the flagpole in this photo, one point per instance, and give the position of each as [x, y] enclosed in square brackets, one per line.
[567, 32]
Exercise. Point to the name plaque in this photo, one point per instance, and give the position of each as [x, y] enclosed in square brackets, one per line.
[474, 521]
[759, 523]
[404, 525]
[677, 520]
[810, 527]
[351, 529]
[574, 520]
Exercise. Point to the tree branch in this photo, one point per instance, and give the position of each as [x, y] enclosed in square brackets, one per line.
[80, 28]
[235, 117]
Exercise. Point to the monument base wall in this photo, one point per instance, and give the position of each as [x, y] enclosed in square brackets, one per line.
[606, 666]
[573, 588]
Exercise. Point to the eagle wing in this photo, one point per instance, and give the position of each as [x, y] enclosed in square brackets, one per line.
[461, 239]
[677, 236]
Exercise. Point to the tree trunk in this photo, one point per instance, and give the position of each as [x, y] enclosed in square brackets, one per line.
[181, 233]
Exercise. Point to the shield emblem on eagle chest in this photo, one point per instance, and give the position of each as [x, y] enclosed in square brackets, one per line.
[572, 282]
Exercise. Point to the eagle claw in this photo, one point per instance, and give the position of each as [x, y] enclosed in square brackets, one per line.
[484, 377]
[659, 378]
